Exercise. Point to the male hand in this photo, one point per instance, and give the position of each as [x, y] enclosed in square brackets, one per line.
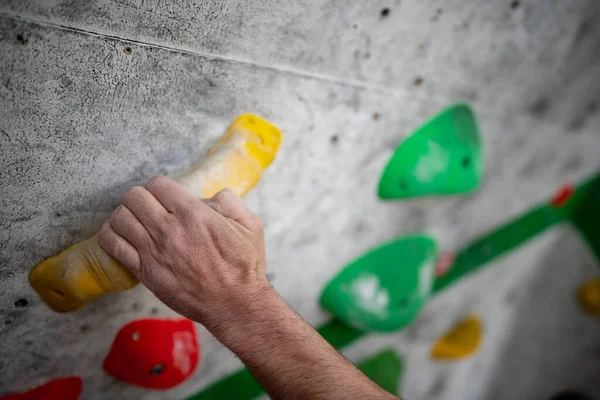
[203, 258]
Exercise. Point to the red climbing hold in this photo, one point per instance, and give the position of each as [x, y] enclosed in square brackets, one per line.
[444, 262]
[154, 353]
[562, 196]
[59, 389]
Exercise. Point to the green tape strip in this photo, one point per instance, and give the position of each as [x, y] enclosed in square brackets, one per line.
[583, 210]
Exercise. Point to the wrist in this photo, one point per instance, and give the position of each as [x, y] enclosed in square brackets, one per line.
[238, 313]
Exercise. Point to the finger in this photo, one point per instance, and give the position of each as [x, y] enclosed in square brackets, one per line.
[146, 208]
[172, 195]
[126, 225]
[231, 206]
[119, 248]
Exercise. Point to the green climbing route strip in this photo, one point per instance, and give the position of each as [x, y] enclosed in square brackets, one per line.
[583, 210]
[499, 242]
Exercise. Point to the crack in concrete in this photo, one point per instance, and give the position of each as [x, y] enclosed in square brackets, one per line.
[213, 57]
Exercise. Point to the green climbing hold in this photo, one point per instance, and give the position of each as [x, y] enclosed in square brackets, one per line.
[384, 369]
[384, 289]
[442, 157]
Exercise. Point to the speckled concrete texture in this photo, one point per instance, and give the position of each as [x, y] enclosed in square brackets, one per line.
[98, 96]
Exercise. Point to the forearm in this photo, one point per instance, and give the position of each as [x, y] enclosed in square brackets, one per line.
[288, 357]
[206, 260]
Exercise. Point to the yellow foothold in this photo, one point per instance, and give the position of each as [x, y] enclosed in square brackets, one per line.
[589, 297]
[461, 341]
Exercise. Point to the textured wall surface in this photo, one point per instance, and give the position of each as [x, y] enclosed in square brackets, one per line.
[81, 121]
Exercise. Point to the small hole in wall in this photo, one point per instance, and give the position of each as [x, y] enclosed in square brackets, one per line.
[127, 50]
[21, 303]
[515, 4]
[154, 311]
[375, 116]
[157, 369]
[334, 139]
[385, 12]
[20, 37]
[418, 81]
[135, 336]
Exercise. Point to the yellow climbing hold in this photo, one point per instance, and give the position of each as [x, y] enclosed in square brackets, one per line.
[589, 297]
[462, 340]
[85, 271]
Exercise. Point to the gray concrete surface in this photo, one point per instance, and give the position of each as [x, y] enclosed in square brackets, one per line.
[81, 121]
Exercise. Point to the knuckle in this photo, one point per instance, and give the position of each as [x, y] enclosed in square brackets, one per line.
[224, 194]
[156, 182]
[105, 239]
[133, 193]
[188, 211]
[119, 213]
[103, 232]
[170, 231]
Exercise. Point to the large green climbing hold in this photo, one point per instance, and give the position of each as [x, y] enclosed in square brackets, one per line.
[384, 369]
[384, 289]
[442, 157]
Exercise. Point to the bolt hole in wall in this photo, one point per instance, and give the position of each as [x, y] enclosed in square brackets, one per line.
[157, 369]
[515, 4]
[127, 50]
[385, 12]
[20, 37]
[21, 303]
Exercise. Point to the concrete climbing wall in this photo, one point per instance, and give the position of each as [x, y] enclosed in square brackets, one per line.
[97, 96]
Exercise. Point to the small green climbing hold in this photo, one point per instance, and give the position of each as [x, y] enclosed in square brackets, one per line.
[442, 157]
[384, 289]
[384, 368]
